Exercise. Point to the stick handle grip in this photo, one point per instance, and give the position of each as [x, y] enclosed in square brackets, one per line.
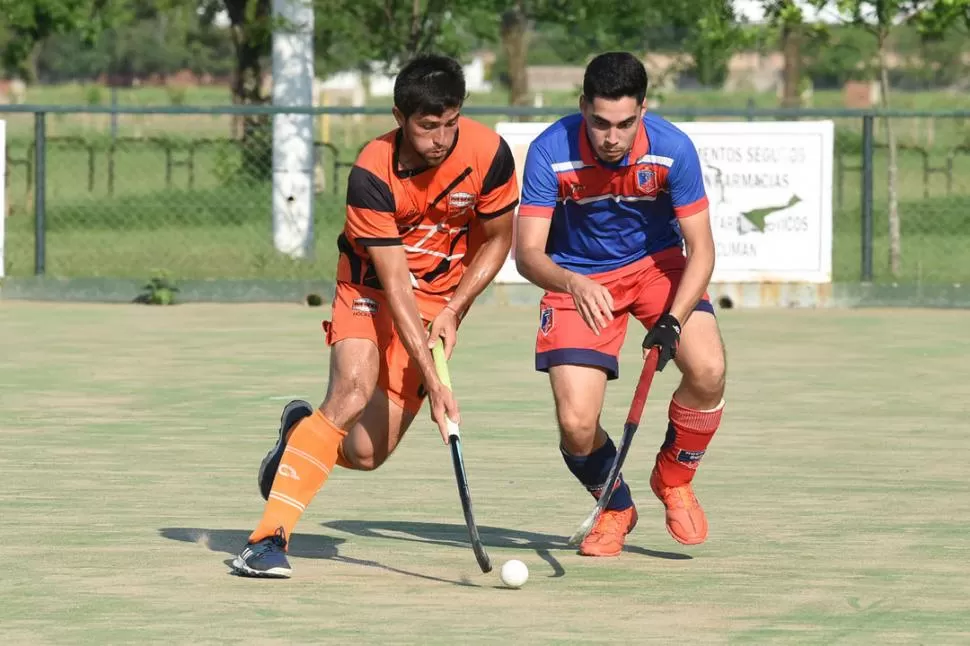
[441, 367]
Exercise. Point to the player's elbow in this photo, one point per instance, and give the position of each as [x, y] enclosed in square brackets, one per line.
[502, 241]
[701, 251]
[525, 260]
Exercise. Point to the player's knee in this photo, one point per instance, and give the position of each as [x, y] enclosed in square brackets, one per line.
[576, 423]
[345, 404]
[359, 453]
[367, 461]
[707, 377]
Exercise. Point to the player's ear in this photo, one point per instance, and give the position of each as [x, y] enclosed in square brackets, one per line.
[582, 103]
[398, 116]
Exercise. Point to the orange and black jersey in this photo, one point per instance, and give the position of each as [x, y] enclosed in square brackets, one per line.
[432, 212]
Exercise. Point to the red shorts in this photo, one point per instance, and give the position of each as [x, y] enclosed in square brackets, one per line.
[363, 313]
[644, 289]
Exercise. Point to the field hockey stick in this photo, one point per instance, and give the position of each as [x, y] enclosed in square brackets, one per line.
[629, 429]
[454, 441]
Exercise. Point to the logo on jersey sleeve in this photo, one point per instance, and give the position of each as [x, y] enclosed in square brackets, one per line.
[545, 320]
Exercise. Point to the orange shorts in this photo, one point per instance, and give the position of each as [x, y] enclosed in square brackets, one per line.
[363, 313]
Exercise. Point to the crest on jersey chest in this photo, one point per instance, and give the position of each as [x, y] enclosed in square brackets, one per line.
[459, 202]
[646, 180]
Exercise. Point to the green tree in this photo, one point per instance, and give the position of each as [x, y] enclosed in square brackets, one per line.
[787, 16]
[708, 30]
[880, 18]
[30, 22]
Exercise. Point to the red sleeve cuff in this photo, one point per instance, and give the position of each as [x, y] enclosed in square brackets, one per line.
[693, 208]
[535, 211]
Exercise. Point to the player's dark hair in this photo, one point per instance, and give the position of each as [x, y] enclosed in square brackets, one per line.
[429, 84]
[615, 75]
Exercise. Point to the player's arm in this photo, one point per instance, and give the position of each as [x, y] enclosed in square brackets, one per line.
[391, 266]
[700, 264]
[371, 223]
[691, 208]
[540, 190]
[499, 197]
[686, 184]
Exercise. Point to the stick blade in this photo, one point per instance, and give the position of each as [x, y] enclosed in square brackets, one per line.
[580, 534]
[481, 555]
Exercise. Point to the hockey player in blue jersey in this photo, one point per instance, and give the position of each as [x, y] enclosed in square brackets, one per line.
[610, 198]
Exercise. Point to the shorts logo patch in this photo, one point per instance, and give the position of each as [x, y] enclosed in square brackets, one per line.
[689, 459]
[646, 181]
[545, 320]
[364, 307]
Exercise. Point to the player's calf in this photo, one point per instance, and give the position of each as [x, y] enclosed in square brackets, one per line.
[293, 413]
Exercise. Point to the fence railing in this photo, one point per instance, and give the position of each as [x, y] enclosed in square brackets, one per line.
[127, 192]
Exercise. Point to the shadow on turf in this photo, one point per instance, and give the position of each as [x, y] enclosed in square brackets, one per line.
[307, 546]
[498, 537]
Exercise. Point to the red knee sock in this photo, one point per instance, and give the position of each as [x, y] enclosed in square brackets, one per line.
[688, 434]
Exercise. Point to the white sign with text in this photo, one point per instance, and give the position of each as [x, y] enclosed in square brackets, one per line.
[770, 191]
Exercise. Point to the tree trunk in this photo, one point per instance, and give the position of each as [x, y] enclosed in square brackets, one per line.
[895, 241]
[791, 39]
[414, 38]
[515, 42]
[251, 40]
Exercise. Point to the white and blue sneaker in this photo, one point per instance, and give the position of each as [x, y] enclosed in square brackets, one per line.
[264, 559]
[295, 411]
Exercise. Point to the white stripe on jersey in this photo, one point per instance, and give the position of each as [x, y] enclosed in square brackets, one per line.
[656, 159]
[559, 167]
[615, 198]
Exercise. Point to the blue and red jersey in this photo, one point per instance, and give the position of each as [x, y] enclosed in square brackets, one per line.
[607, 216]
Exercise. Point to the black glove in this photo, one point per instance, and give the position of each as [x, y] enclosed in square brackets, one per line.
[665, 335]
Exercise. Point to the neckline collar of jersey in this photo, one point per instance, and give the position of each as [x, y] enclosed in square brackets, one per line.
[641, 146]
[406, 173]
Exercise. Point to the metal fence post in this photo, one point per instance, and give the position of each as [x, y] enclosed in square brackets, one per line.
[40, 193]
[867, 230]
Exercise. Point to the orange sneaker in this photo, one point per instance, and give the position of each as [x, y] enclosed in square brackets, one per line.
[609, 533]
[685, 518]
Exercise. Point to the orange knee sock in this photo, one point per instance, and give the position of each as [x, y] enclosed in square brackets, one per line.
[688, 434]
[308, 459]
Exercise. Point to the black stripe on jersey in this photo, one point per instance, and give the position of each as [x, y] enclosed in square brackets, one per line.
[501, 170]
[501, 211]
[445, 265]
[379, 242]
[454, 183]
[344, 247]
[365, 190]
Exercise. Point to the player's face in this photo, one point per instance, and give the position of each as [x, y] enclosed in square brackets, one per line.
[612, 125]
[431, 136]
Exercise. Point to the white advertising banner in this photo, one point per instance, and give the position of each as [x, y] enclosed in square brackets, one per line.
[770, 189]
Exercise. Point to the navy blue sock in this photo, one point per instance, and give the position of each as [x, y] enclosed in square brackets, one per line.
[592, 470]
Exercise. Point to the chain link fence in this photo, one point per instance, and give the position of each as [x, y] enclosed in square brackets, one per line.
[187, 193]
